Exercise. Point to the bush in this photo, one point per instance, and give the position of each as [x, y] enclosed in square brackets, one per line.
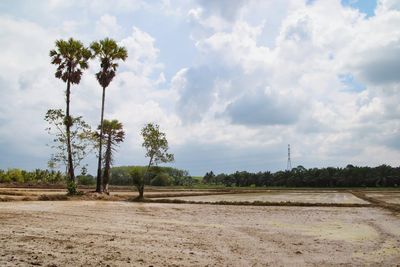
[71, 187]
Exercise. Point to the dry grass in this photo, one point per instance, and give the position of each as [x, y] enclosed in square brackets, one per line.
[11, 193]
[53, 197]
[6, 199]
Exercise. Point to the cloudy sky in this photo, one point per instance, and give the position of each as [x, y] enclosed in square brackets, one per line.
[231, 82]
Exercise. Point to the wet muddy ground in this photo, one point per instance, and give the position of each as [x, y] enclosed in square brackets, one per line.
[105, 233]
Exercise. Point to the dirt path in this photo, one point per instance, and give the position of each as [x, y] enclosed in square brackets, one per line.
[98, 233]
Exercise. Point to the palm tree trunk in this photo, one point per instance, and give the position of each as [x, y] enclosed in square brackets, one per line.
[107, 164]
[68, 129]
[99, 176]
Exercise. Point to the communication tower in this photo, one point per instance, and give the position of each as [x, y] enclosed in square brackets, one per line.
[289, 162]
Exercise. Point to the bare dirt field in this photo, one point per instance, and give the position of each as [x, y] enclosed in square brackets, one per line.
[389, 197]
[281, 196]
[105, 233]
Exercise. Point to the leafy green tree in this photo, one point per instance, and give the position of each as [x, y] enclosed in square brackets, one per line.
[161, 179]
[113, 134]
[15, 175]
[71, 58]
[156, 145]
[209, 177]
[81, 139]
[108, 53]
[3, 177]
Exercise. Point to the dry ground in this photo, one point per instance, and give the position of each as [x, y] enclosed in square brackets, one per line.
[281, 196]
[13, 193]
[100, 233]
[389, 196]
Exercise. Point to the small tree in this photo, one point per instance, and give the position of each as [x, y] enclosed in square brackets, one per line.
[156, 145]
[81, 140]
[112, 135]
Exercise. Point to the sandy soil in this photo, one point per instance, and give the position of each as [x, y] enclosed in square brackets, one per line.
[310, 197]
[98, 233]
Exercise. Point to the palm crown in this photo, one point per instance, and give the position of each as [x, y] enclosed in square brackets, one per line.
[114, 130]
[108, 52]
[71, 57]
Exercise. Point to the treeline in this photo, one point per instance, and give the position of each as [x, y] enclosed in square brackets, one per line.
[158, 176]
[350, 176]
[37, 176]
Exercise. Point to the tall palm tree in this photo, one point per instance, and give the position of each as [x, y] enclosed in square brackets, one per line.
[71, 58]
[113, 134]
[108, 52]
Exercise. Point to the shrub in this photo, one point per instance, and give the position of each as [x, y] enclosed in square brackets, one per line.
[71, 187]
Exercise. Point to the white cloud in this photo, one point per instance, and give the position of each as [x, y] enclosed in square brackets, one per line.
[387, 6]
[108, 26]
[265, 74]
[27, 86]
[142, 52]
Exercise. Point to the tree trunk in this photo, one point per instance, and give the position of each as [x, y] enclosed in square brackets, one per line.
[107, 165]
[141, 187]
[68, 129]
[99, 176]
[141, 191]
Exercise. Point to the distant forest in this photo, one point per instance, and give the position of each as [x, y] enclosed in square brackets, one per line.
[351, 176]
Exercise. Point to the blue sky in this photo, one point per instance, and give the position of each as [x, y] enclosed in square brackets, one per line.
[365, 6]
[230, 82]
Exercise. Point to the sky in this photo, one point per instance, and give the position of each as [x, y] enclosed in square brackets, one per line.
[230, 82]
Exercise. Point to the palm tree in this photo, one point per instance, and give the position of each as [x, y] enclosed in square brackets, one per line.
[71, 58]
[112, 135]
[108, 52]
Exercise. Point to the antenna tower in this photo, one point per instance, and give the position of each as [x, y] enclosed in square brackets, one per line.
[289, 162]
